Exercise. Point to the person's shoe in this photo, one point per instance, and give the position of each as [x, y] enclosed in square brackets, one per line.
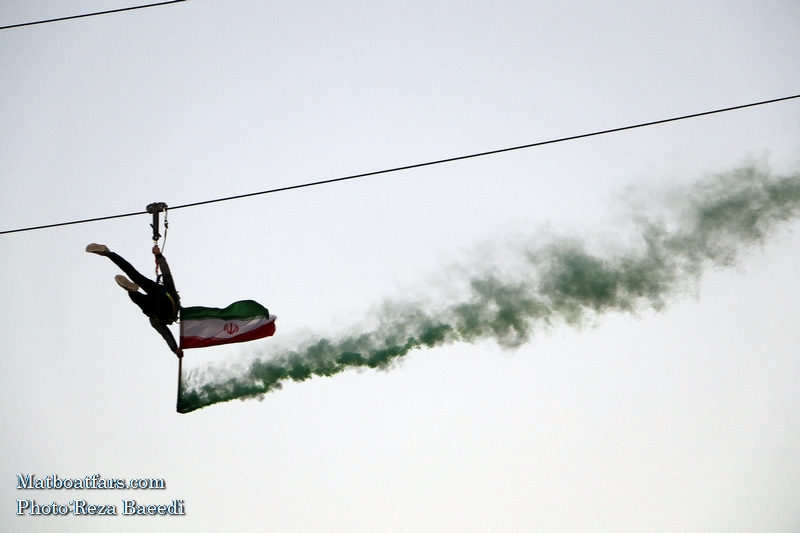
[99, 249]
[126, 284]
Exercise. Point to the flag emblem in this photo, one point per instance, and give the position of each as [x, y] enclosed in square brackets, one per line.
[239, 322]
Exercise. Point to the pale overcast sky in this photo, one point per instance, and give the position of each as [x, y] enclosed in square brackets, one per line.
[685, 419]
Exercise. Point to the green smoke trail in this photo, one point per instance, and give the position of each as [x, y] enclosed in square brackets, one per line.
[563, 283]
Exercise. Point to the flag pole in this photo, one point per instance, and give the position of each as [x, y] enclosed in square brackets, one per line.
[180, 375]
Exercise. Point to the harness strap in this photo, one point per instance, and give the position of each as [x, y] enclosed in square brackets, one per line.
[174, 306]
[175, 309]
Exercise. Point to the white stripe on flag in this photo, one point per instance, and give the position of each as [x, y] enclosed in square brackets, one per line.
[221, 329]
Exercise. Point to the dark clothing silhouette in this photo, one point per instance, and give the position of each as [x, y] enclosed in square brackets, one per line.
[160, 302]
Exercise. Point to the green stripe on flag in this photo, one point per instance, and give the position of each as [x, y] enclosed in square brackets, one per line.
[236, 311]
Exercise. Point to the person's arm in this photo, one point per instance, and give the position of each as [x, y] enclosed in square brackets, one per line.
[165, 271]
[167, 334]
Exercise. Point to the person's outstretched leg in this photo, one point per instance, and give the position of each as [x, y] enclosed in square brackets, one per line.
[146, 303]
[148, 285]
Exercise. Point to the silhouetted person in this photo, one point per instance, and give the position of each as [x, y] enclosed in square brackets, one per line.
[160, 302]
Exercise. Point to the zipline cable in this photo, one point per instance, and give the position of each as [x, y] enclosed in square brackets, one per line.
[418, 165]
[90, 14]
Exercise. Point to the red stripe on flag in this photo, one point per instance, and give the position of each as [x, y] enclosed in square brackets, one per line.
[267, 330]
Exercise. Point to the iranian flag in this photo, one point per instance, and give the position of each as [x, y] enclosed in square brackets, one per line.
[239, 322]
